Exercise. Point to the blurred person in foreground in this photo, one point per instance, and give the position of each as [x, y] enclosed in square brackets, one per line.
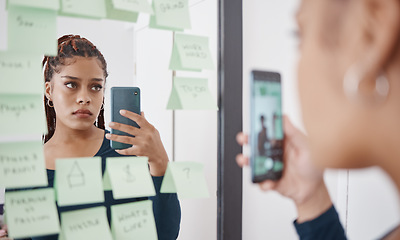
[349, 87]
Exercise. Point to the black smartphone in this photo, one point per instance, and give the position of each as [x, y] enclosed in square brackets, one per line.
[127, 98]
[266, 134]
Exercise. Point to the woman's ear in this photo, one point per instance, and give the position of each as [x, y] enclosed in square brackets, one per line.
[48, 90]
[381, 33]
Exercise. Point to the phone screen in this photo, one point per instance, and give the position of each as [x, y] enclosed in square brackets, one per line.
[267, 128]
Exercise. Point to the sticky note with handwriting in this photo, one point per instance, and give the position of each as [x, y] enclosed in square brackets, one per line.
[32, 30]
[78, 181]
[31, 213]
[120, 14]
[133, 221]
[190, 53]
[129, 177]
[45, 4]
[22, 165]
[89, 223]
[187, 179]
[22, 114]
[93, 9]
[170, 15]
[21, 73]
[191, 93]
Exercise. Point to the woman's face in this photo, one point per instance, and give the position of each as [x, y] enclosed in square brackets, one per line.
[77, 92]
[327, 49]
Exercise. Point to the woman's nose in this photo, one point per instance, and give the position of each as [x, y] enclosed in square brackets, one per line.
[83, 97]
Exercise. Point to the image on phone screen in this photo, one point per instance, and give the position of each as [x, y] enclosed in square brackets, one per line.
[267, 128]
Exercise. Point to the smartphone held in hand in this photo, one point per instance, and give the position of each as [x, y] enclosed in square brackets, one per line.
[266, 134]
[124, 98]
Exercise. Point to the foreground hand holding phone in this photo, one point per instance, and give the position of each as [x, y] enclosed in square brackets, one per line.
[147, 142]
[301, 180]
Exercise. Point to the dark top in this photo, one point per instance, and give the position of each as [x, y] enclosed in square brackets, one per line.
[325, 227]
[166, 207]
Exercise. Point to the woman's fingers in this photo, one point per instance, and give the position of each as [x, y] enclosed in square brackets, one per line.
[242, 160]
[3, 233]
[129, 151]
[120, 138]
[124, 128]
[267, 185]
[140, 120]
[242, 138]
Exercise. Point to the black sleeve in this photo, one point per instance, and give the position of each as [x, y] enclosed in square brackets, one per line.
[167, 212]
[327, 226]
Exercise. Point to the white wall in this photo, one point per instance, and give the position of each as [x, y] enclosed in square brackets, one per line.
[139, 56]
[366, 199]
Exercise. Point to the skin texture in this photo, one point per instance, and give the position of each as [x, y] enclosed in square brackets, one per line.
[342, 132]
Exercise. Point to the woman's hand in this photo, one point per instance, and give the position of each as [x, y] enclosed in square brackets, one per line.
[147, 142]
[301, 180]
[3, 231]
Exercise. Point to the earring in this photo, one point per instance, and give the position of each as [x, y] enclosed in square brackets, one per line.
[352, 80]
[48, 103]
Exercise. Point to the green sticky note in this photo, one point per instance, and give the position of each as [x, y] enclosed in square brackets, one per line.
[31, 213]
[45, 4]
[106, 182]
[130, 177]
[94, 9]
[32, 30]
[61, 236]
[120, 14]
[170, 15]
[89, 223]
[190, 53]
[78, 181]
[191, 93]
[187, 179]
[22, 165]
[133, 5]
[133, 221]
[22, 114]
[21, 73]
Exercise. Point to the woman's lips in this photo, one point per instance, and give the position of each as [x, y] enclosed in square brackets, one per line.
[82, 113]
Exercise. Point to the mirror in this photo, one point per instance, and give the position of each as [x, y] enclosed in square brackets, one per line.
[138, 55]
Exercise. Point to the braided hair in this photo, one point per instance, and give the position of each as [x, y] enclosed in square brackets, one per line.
[69, 46]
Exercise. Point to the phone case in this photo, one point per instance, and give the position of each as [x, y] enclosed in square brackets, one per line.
[127, 98]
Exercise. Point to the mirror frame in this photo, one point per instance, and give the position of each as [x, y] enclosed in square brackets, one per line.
[230, 84]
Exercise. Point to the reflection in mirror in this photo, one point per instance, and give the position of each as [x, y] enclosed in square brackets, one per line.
[93, 56]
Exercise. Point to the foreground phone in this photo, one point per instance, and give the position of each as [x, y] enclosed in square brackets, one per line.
[266, 134]
[127, 98]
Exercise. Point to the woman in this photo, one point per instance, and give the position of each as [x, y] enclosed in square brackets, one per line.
[74, 89]
[349, 61]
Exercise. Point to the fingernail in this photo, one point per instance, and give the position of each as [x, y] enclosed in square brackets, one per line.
[111, 124]
[122, 112]
[108, 135]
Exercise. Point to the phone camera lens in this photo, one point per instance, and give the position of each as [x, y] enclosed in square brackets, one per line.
[136, 93]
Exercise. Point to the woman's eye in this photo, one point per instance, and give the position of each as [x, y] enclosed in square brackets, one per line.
[97, 88]
[70, 85]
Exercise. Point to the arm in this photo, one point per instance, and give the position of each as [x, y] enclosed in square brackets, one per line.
[167, 212]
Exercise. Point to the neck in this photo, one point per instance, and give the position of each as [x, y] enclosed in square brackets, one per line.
[65, 134]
